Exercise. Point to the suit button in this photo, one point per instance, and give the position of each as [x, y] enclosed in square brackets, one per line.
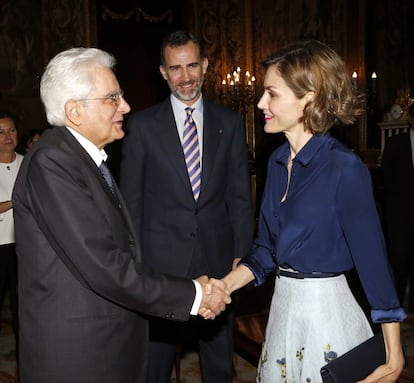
[132, 243]
[192, 235]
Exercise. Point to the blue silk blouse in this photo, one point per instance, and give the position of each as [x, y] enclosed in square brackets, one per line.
[327, 223]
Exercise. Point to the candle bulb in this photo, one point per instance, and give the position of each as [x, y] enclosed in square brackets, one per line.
[354, 80]
[374, 81]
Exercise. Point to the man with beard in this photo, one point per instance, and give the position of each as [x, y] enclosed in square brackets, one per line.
[185, 178]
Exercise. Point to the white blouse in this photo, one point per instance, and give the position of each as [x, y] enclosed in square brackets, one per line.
[8, 174]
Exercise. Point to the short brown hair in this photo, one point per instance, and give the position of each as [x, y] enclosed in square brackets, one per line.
[178, 39]
[313, 66]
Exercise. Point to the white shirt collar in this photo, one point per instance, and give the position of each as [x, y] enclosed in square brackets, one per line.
[178, 104]
[98, 155]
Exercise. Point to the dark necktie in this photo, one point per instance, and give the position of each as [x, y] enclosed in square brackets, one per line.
[192, 152]
[107, 175]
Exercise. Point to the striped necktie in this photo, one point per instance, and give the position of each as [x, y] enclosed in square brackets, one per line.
[192, 152]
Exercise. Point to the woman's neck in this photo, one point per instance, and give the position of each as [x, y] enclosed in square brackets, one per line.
[297, 142]
[8, 157]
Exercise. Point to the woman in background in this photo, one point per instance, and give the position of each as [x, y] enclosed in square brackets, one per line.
[10, 162]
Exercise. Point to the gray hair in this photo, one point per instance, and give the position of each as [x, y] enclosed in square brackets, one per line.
[69, 76]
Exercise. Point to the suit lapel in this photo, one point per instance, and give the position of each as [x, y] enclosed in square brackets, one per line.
[212, 131]
[80, 152]
[166, 131]
[167, 137]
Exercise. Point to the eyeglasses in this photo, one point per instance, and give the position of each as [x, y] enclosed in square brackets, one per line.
[114, 97]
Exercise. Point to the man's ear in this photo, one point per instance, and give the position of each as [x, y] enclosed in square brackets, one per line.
[205, 65]
[73, 112]
[163, 72]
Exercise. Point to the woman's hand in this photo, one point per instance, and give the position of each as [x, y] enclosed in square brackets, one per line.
[391, 370]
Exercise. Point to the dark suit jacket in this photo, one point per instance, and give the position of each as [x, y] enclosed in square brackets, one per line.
[81, 282]
[398, 173]
[178, 235]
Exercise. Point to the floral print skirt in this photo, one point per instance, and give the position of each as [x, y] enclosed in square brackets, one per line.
[311, 322]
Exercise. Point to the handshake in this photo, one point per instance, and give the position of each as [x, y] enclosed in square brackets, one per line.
[216, 292]
[215, 297]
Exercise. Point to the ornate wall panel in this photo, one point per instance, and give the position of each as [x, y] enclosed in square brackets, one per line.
[224, 29]
[19, 46]
[67, 23]
[393, 57]
[31, 32]
[243, 33]
[20, 58]
[133, 30]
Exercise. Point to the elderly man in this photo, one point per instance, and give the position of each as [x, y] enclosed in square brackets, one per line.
[82, 286]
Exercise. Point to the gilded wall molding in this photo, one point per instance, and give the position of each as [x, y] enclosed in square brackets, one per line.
[136, 13]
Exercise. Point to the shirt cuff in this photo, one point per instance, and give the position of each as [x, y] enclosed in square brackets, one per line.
[384, 316]
[197, 300]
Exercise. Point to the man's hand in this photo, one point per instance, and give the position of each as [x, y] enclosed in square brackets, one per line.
[215, 298]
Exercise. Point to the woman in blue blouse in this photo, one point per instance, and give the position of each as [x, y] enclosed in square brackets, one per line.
[318, 219]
